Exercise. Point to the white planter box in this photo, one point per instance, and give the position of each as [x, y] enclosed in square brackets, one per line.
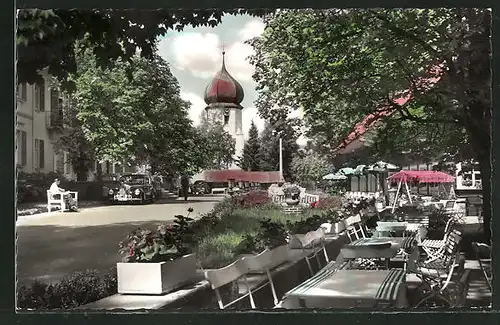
[155, 278]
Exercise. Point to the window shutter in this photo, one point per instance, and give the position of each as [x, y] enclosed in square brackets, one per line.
[24, 149]
[42, 154]
[40, 95]
[36, 158]
[24, 91]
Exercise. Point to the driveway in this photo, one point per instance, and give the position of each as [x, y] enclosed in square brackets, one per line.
[51, 245]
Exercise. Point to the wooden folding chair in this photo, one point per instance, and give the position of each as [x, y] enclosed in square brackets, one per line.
[260, 263]
[436, 273]
[227, 275]
[434, 247]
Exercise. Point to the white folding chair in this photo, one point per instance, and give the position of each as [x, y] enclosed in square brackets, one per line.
[354, 228]
[260, 263]
[433, 247]
[313, 240]
[227, 275]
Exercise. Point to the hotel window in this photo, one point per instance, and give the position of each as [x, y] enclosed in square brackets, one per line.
[39, 154]
[22, 91]
[40, 96]
[21, 147]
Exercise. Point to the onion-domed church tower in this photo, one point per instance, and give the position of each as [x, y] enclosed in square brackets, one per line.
[223, 97]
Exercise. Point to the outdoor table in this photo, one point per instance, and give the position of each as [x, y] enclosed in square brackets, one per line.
[372, 248]
[386, 228]
[340, 288]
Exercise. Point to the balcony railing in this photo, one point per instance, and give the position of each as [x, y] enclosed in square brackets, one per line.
[54, 119]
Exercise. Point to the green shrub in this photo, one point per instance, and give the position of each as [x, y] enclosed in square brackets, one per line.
[72, 291]
[217, 250]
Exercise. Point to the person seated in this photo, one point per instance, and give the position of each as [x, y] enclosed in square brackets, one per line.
[68, 199]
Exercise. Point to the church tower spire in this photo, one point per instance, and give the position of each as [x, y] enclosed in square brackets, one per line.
[223, 96]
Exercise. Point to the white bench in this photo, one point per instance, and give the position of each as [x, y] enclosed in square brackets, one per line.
[221, 190]
[57, 199]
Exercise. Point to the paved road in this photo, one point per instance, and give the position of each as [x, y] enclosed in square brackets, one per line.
[50, 246]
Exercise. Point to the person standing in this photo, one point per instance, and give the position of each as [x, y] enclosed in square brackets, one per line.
[185, 186]
[68, 199]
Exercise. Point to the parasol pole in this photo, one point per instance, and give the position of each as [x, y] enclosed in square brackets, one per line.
[408, 191]
[396, 197]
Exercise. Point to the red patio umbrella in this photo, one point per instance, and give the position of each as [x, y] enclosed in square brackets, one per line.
[421, 176]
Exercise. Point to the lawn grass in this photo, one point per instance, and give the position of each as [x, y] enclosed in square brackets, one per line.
[216, 247]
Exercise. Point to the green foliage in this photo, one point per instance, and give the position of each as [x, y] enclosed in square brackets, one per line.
[72, 291]
[340, 65]
[81, 154]
[169, 242]
[271, 234]
[310, 224]
[47, 38]
[217, 145]
[310, 167]
[251, 159]
[288, 130]
[143, 118]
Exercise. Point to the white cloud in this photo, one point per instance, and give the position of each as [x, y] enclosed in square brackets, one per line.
[200, 54]
[237, 62]
[197, 106]
[252, 29]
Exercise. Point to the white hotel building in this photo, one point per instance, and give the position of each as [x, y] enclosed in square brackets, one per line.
[39, 122]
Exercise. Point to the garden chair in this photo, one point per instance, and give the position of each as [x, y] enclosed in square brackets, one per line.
[259, 263]
[354, 228]
[434, 247]
[482, 249]
[315, 241]
[229, 275]
[436, 273]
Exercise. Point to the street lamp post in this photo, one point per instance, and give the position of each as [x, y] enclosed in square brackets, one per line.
[281, 159]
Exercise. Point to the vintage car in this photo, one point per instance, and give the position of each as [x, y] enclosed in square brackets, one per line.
[134, 187]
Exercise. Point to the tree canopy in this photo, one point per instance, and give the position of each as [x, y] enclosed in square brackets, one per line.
[216, 144]
[285, 129]
[46, 39]
[340, 65]
[143, 119]
[309, 167]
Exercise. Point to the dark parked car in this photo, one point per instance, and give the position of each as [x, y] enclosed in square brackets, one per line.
[133, 187]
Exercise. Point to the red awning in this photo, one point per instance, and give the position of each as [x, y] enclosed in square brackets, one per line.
[385, 110]
[221, 176]
[421, 176]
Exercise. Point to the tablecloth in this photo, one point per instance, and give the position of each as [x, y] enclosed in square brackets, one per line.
[332, 288]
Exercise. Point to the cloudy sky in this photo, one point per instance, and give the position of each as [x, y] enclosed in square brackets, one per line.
[195, 55]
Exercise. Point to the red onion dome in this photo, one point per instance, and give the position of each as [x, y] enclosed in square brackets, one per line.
[224, 88]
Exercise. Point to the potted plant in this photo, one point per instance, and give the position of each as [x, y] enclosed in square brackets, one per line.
[157, 262]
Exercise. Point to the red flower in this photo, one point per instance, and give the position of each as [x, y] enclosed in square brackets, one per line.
[130, 251]
[313, 205]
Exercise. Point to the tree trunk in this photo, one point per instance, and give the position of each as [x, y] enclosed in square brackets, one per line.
[99, 171]
[485, 166]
